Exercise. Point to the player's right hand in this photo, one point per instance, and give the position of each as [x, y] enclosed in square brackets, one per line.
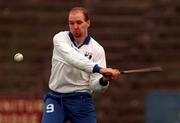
[110, 73]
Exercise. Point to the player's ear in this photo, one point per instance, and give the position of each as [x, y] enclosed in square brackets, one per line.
[88, 23]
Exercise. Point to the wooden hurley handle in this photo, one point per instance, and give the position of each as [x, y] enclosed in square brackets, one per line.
[141, 70]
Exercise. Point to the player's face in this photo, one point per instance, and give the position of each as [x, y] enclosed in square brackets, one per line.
[77, 24]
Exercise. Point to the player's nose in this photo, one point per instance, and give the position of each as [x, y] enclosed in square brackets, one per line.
[75, 26]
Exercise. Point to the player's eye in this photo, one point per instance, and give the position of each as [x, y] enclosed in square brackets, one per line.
[79, 22]
[71, 23]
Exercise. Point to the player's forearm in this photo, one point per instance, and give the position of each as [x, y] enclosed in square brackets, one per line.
[76, 59]
[98, 84]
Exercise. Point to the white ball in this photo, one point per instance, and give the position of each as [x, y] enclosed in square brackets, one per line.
[18, 57]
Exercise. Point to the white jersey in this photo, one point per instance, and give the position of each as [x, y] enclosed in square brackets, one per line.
[72, 65]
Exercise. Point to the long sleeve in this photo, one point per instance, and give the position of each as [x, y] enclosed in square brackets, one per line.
[71, 56]
[96, 77]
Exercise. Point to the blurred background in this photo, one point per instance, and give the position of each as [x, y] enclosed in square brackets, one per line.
[134, 33]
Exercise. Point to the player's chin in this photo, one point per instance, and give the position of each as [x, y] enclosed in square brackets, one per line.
[77, 34]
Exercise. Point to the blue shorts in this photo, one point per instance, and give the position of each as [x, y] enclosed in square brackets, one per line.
[77, 107]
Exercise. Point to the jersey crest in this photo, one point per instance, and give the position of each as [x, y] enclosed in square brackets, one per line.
[88, 55]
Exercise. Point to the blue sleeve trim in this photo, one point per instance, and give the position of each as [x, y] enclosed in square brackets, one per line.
[103, 82]
[96, 69]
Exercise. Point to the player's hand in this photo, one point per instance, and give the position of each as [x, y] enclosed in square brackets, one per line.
[110, 74]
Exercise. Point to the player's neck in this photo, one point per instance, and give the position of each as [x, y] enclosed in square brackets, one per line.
[80, 40]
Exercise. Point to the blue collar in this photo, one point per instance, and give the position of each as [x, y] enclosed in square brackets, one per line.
[86, 41]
